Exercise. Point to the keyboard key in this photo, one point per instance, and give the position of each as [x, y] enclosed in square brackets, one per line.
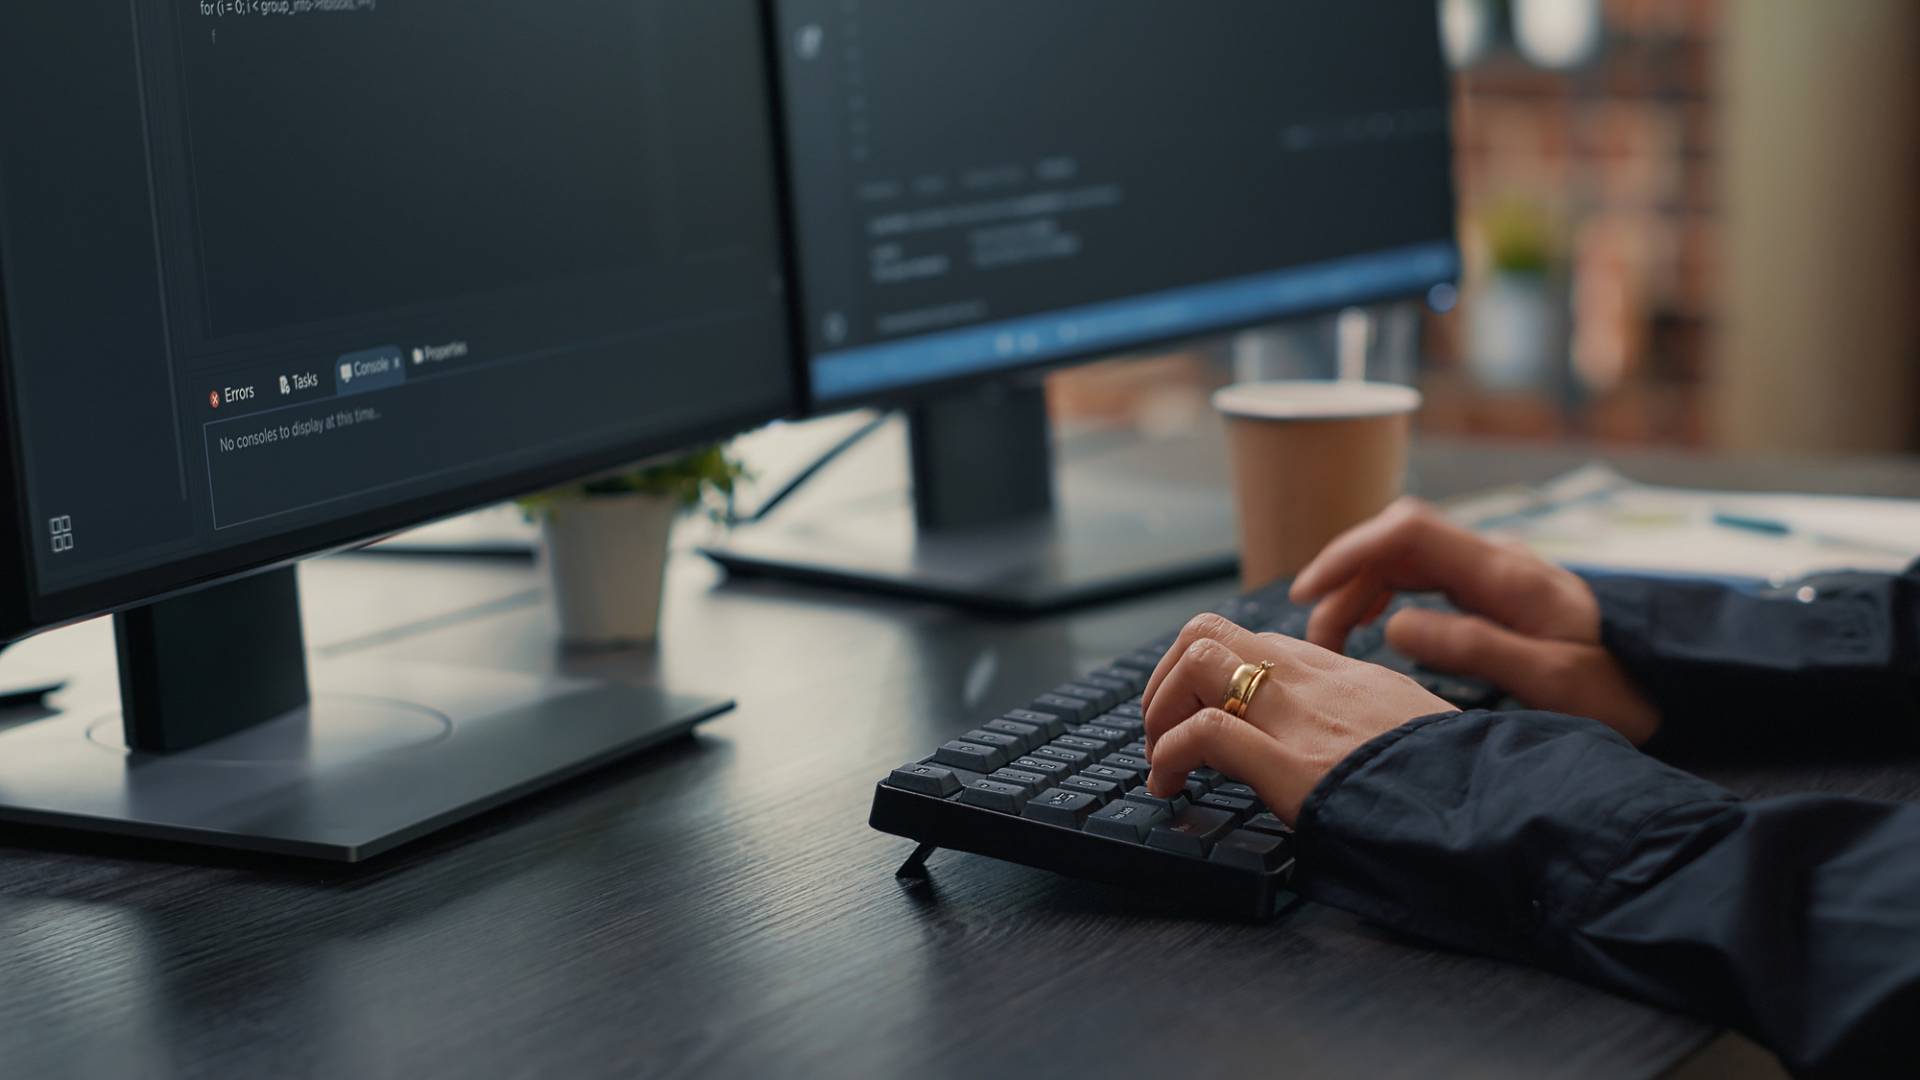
[1393, 661]
[1132, 727]
[1119, 689]
[1238, 791]
[1241, 809]
[935, 780]
[1171, 805]
[1100, 699]
[1051, 725]
[1461, 693]
[1072, 710]
[1000, 740]
[1104, 790]
[1092, 747]
[1028, 734]
[1129, 707]
[1061, 807]
[1211, 776]
[1034, 782]
[1267, 823]
[965, 776]
[1127, 761]
[1196, 788]
[970, 755]
[1260, 852]
[1192, 831]
[1126, 778]
[1366, 640]
[1110, 737]
[1126, 820]
[1047, 767]
[1244, 610]
[995, 795]
[1075, 758]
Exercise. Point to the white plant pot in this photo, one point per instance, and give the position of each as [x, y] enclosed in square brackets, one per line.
[606, 557]
[1516, 334]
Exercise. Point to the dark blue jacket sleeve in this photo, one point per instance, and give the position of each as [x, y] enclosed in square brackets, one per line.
[1746, 671]
[1550, 839]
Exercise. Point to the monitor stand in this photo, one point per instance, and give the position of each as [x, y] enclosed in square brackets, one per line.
[989, 527]
[220, 742]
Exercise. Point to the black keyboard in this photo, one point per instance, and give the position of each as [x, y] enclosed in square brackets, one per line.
[1059, 784]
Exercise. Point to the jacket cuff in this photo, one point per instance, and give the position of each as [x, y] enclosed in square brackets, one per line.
[1727, 667]
[1485, 831]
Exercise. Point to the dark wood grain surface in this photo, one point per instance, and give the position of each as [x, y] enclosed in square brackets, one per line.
[721, 909]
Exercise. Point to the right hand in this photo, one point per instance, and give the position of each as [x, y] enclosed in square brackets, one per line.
[1527, 626]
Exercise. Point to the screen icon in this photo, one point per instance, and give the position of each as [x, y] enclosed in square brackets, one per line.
[346, 371]
[60, 530]
[213, 399]
[286, 387]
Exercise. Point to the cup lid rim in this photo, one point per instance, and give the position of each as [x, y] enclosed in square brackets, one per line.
[1304, 399]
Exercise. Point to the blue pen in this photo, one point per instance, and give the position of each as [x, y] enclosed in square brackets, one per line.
[1772, 527]
[1753, 524]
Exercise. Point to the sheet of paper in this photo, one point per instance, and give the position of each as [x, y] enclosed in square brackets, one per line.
[1596, 518]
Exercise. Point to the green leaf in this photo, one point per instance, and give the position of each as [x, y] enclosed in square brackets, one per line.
[702, 477]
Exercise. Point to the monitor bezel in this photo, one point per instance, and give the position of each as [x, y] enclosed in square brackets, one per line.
[812, 405]
[917, 393]
[25, 610]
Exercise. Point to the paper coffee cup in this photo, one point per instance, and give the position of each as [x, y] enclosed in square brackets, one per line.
[1310, 461]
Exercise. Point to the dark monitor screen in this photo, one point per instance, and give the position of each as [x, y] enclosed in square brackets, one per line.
[281, 275]
[984, 185]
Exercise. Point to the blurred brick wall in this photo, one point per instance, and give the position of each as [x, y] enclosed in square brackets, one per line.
[1621, 153]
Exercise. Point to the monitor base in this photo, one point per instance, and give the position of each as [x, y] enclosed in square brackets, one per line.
[384, 755]
[987, 523]
[1128, 539]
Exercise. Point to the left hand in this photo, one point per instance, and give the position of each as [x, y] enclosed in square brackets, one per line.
[1315, 708]
[1525, 625]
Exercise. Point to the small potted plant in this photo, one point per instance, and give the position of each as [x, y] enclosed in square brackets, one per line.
[606, 542]
[1517, 334]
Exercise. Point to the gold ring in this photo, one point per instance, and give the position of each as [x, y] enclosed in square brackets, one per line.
[1245, 683]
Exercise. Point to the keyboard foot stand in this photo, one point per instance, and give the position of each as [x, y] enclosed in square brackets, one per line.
[915, 868]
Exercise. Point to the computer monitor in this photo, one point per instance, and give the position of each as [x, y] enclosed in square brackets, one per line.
[280, 278]
[986, 188]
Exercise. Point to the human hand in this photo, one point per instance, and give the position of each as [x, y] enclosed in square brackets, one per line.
[1315, 708]
[1529, 627]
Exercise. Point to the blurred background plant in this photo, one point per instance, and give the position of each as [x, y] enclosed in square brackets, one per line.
[701, 479]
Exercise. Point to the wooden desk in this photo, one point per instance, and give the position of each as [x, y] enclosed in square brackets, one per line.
[722, 909]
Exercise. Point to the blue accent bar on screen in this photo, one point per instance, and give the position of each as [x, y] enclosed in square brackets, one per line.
[1120, 324]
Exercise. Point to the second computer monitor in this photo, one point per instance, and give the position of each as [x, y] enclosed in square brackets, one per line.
[987, 185]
